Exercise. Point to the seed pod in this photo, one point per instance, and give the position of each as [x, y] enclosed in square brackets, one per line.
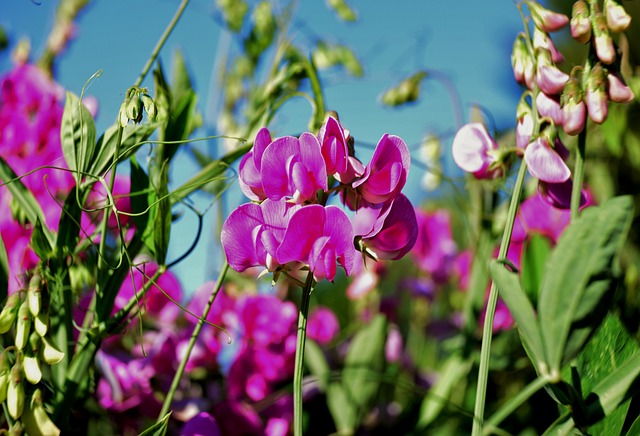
[23, 325]
[15, 391]
[50, 354]
[9, 311]
[34, 296]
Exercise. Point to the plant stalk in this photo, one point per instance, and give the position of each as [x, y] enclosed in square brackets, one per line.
[299, 364]
[578, 174]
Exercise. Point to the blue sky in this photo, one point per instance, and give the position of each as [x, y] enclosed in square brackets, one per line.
[469, 43]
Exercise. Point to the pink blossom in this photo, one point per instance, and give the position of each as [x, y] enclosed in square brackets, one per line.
[393, 345]
[544, 162]
[580, 22]
[323, 325]
[333, 144]
[542, 40]
[549, 107]
[474, 150]
[524, 130]
[546, 19]
[249, 175]
[435, 250]
[602, 39]
[617, 90]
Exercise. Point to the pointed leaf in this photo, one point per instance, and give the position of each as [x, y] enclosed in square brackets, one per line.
[521, 309]
[159, 428]
[317, 364]
[77, 135]
[343, 410]
[579, 274]
[69, 225]
[39, 241]
[181, 82]
[140, 196]
[162, 219]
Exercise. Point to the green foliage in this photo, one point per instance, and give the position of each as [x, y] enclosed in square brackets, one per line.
[407, 91]
[77, 136]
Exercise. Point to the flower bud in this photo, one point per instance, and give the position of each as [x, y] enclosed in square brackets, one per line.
[15, 392]
[549, 78]
[617, 18]
[618, 89]
[524, 126]
[549, 107]
[50, 354]
[580, 22]
[41, 323]
[34, 296]
[23, 325]
[134, 109]
[542, 40]
[602, 39]
[32, 371]
[122, 114]
[596, 95]
[574, 111]
[9, 311]
[521, 61]
[149, 106]
[4, 376]
[546, 20]
[35, 418]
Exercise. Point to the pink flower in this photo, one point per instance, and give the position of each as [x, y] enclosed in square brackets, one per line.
[249, 176]
[602, 39]
[387, 172]
[435, 250]
[319, 236]
[549, 106]
[542, 40]
[545, 163]
[524, 130]
[549, 78]
[333, 144]
[617, 90]
[545, 19]
[596, 95]
[574, 110]
[558, 195]
[293, 168]
[474, 150]
[580, 22]
[323, 325]
[390, 231]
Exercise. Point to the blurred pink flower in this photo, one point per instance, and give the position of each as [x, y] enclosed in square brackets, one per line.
[322, 325]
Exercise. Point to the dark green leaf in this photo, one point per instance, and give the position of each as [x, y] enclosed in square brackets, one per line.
[162, 219]
[634, 430]
[159, 428]
[520, 307]
[535, 254]
[580, 273]
[140, 196]
[39, 241]
[77, 135]
[69, 226]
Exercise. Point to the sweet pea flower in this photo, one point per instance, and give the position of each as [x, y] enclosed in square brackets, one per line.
[293, 168]
[319, 236]
[524, 126]
[574, 110]
[390, 231]
[546, 19]
[387, 172]
[580, 22]
[202, 424]
[545, 163]
[602, 39]
[549, 78]
[522, 61]
[333, 144]
[618, 20]
[617, 90]
[252, 233]
[474, 150]
[542, 40]
[549, 106]
[249, 176]
[596, 95]
[435, 250]
[323, 325]
[558, 195]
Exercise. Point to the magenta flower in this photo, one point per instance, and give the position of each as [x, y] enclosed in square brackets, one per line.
[319, 236]
[435, 250]
[249, 176]
[558, 195]
[387, 172]
[323, 325]
[549, 78]
[390, 231]
[333, 144]
[252, 234]
[545, 162]
[293, 168]
[475, 151]
[201, 424]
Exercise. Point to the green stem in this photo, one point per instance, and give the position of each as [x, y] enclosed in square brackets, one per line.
[299, 364]
[161, 41]
[485, 351]
[578, 174]
[194, 336]
[513, 403]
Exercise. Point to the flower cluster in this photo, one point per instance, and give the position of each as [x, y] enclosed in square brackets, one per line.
[288, 225]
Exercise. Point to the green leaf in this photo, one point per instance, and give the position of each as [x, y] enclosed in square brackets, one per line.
[521, 309]
[317, 364]
[634, 430]
[140, 196]
[233, 12]
[181, 82]
[162, 219]
[454, 369]
[39, 241]
[364, 365]
[77, 135]
[4, 271]
[344, 11]
[580, 273]
[343, 410]
[159, 428]
[23, 197]
[69, 225]
[535, 254]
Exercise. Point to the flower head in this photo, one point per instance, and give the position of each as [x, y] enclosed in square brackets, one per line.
[475, 151]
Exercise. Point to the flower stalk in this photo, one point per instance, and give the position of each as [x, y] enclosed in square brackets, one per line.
[299, 362]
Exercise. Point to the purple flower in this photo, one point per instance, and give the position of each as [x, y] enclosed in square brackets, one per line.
[293, 168]
[323, 325]
[549, 106]
[474, 150]
[333, 144]
[249, 176]
[558, 195]
[435, 250]
[202, 424]
[545, 163]
[385, 175]
[252, 233]
[319, 236]
[389, 231]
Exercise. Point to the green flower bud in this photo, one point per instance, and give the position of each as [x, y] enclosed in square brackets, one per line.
[50, 354]
[9, 311]
[23, 325]
[122, 115]
[31, 367]
[35, 418]
[134, 109]
[149, 106]
[15, 392]
[41, 323]
[34, 296]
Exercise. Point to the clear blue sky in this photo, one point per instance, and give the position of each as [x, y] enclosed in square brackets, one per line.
[469, 42]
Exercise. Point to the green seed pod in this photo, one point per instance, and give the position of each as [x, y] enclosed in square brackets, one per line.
[15, 392]
[35, 418]
[34, 296]
[50, 354]
[23, 325]
[9, 311]
[41, 323]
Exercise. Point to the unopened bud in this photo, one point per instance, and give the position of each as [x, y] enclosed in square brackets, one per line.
[549, 78]
[617, 18]
[580, 22]
[149, 106]
[522, 61]
[15, 392]
[9, 312]
[602, 39]
[524, 124]
[31, 367]
[618, 90]
[50, 354]
[122, 114]
[546, 19]
[41, 323]
[34, 296]
[36, 419]
[541, 39]
[596, 95]
[134, 109]
[574, 111]
[23, 325]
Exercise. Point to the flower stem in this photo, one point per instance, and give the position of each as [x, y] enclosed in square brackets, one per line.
[299, 365]
[194, 336]
[485, 350]
[578, 174]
